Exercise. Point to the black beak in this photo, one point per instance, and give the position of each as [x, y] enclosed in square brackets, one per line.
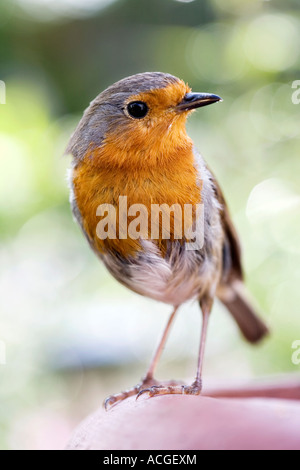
[197, 100]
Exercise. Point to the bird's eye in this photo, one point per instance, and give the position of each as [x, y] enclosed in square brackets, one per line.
[137, 109]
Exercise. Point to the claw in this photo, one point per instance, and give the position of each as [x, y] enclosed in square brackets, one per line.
[155, 389]
[115, 399]
[194, 389]
[109, 401]
[162, 390]
[141, 392]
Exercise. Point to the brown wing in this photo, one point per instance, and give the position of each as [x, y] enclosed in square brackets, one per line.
[232, 291]
[232, 265]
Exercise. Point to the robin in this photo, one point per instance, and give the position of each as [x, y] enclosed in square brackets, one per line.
[132, 143]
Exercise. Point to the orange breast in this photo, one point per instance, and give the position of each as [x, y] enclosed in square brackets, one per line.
[96, 182]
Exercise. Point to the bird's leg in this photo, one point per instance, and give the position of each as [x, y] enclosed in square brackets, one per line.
[160, 348]
[196, 387]
[206, 306]
[148, 380]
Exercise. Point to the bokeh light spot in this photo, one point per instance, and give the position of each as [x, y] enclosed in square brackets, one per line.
[272, 42]
[216, 54]
[273, 203]
[273, 114]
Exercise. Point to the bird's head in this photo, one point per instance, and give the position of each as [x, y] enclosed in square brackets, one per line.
[137, 121]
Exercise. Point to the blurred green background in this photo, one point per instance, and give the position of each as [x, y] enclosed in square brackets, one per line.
[69, 333]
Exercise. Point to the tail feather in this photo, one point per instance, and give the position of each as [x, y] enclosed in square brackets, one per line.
[235, 299]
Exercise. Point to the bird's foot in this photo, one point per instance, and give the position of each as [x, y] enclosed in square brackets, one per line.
[172, 389]
[148, 383]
